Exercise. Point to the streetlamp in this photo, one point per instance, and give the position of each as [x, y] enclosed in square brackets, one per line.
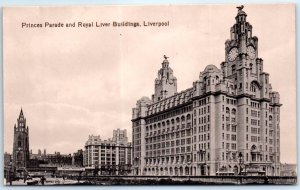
[10, 173]
[136, 163]
[240, 162]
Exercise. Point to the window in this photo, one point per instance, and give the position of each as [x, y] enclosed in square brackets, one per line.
[228, 137]
[253, 138]
[233, 128]
[228, 127]
[233, 146]
[233, 137]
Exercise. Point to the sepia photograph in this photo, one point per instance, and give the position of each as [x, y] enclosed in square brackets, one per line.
[199, 94]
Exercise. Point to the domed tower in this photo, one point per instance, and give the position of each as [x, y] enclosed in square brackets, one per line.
[241, 54]
[21, 144]
[165, 83]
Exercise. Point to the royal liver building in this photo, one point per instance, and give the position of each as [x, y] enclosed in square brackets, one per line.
[227, 123]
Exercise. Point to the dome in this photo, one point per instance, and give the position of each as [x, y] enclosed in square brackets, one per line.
[165, 61]
[145, 99]
[211, 68]
[241, 13]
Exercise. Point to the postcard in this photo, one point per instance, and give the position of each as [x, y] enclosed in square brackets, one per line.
[152, 94]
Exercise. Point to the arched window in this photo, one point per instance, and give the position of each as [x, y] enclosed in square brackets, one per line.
[19, 156]
[19, 141]
[227, 110]
[233, 68]
[253, 87]
[233, 111]
[253, 147]
[205, 81]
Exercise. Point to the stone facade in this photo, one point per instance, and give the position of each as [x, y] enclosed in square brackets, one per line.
[7, 159]
[227, 123]
[112, 156]
[59, 160]
[20, 157]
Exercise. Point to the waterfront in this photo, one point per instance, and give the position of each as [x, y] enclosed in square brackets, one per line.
[166, 180]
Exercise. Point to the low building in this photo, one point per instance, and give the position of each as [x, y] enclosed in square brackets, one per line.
[77, 159]
[38, 156]
[7, 159]
[109, 157]
[288, 169]
[59, 160]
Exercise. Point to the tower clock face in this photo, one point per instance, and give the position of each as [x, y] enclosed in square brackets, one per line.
[251, 52]
[233, 53]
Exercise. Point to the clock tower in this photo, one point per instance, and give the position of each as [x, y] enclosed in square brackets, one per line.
[21, 144]
[241, 55]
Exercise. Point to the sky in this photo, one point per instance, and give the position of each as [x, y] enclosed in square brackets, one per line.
[74, 82]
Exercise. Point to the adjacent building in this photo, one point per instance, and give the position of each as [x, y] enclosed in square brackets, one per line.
[38, 156]
[288, 169]
[59, 160]
[7, 159]
[226, 123]
[112, 156]
[77, 159]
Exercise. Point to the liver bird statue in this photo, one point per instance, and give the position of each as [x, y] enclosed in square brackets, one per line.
[240, 7]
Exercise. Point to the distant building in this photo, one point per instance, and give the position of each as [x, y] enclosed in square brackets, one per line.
[7, 159]
[77, 158]
[38, 156]
[112, 156]
[288, 170]
[20, 157]
[59, 160]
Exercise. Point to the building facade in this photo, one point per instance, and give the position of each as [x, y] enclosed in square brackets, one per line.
[20, 157]
[59, 160]
[288, 169]
[112, 156]
[227, 123]
[7, 159]
[77, 159]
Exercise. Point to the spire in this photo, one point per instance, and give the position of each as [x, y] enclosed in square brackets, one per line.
[21, 112]
[21, 120]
